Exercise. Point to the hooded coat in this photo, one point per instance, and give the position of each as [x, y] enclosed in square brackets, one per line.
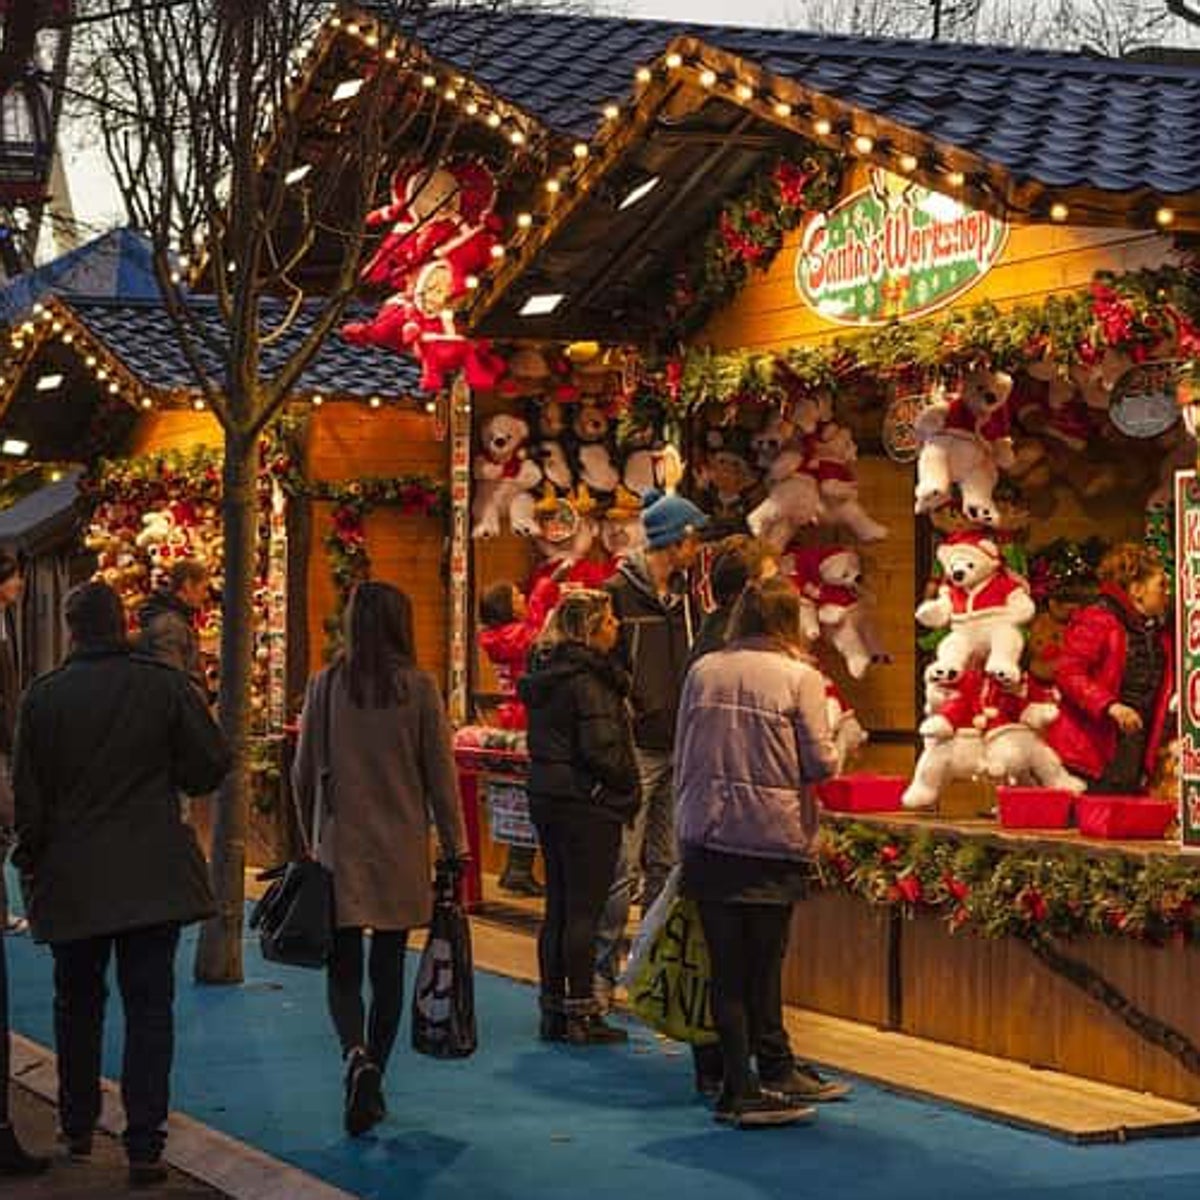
[656, 640]
[581, 760]
[168, 634]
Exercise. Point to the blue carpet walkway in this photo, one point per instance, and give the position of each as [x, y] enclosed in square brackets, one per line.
[532, 1122]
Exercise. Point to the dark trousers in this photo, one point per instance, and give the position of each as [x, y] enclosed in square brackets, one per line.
[581, 862]
[746, 945]
[4, 1046]
[146, 979]
[376, 1029]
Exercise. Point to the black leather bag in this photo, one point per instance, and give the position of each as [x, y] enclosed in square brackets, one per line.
[295, 917]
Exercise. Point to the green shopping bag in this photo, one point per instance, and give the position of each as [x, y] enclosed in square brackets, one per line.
[670, 988]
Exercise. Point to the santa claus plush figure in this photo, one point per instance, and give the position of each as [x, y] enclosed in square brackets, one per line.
[1115, 673]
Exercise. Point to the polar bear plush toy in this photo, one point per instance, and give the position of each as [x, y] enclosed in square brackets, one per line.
[831, 577]
[794, 496]
[1014, 752]
[952, 745]
[504, 479]
[965, 442]
[834, 454]
[984, 605]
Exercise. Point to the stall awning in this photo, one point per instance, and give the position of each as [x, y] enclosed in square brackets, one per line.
[43, 518]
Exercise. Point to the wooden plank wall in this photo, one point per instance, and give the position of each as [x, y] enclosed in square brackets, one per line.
[181, 429]
[352, 441]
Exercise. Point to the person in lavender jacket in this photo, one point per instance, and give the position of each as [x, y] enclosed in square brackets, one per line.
[752, 737]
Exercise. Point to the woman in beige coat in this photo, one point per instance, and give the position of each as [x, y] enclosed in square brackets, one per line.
[390, 765]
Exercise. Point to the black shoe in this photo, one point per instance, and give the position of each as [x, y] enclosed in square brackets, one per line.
[522, 885]
[803, 1085]
[14, 1158]
[553, 1024]
[365, 1105]
[148, 1173]
[586, 1027]
[79, 1145]
[761, 1111]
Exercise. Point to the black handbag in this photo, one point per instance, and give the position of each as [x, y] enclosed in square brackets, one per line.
[443, 1012]
[295, 917]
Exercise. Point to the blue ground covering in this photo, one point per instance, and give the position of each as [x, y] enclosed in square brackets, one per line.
[531, 1122]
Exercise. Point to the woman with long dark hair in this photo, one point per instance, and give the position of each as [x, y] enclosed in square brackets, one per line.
[583, 787]
[376, 724]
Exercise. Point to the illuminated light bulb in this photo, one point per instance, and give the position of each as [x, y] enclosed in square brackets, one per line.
[55, 476]
[336, 22]
[864, 144]
[352, 27]
[114, 388]
[472, 282]
[674, 61]
[553, 186]
[391, 54]
[317, 401]
[909, 163]
[101, 374]
[783, 109]
[147, 402]
[643, 75]
[1165, 216]
[429, 81]
[57, 327]
[1059, 211]
[176, 278]
[494, 120]
[372, 40]
[580, 150]
[956, 179]
[611, 112]
[745, 92]
[431, 406]
[375, 402]
[198, 404]
[68, 338]
[38, 309]
[497, 252]
[471, 108]
[47, 315]
[524, 220]
[450, 94]
[823, 127]
[708, 78]
[91, 360]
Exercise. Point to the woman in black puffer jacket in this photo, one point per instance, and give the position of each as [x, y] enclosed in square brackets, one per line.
[583, 786]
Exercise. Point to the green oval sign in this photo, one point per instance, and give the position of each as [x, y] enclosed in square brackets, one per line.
[894, 251]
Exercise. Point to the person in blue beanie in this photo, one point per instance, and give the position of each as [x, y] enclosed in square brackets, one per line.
[652, 597]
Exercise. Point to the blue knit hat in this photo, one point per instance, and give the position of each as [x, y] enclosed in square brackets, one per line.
[668, 518]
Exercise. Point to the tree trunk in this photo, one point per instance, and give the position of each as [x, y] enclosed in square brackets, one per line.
[219, 954]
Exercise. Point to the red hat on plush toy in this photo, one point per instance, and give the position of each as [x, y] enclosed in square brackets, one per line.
[985, 543]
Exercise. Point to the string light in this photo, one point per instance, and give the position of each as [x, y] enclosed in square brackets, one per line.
[823, 127]
[317, 401]
[494, 120]
[198, 404]
[745, 92]
[956, 179]
[783, 109]
[1165, 217]
[375, 402]
[497, 252]
[429, 81]
[708, 78]
[580, 150]
[553, 186]
[611, 112]
[909, 163]
[864, 144]
[674, 61]
[471, 108]
[472, 282]
[147, 402]
[450, 94]
[524, 220]
[517, 137]
[1059, 211]
[643, 75]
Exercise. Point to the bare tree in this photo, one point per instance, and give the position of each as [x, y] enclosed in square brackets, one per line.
[1113, 28]
[203, 106]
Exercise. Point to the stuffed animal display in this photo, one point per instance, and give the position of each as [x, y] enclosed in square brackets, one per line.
[830, 577]
[505, 478]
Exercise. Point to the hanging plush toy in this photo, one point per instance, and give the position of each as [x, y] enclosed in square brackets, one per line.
[952, 745]
[848, 734]
[832, 579]
[832, 458]
[965, 441]
[547, 451]
[793, 497]
[983, 603]
[504, 479]
[728, 482]
[590, 427]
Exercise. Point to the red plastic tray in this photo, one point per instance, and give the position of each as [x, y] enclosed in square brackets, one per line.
[1034, 807]
[1124, 817]
[862, 793]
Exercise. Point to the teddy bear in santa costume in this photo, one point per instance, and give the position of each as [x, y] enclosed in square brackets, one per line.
[831, 577]
[1012, 722]
[965, 442]
[952, 745]
[983, 603]
[793, 494]
[832, 455]
[504, 479]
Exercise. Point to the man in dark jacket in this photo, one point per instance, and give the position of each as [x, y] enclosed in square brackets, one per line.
[104, 744]
[651, 595]
[168, 620]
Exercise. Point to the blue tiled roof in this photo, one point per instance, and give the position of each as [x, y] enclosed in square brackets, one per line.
[1059, 119]
[141, 336]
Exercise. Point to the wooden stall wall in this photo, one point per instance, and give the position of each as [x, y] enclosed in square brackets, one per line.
[175, 429]
[351, 441]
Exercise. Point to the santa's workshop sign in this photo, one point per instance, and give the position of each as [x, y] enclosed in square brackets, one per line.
[1187, 607]
[894, 251]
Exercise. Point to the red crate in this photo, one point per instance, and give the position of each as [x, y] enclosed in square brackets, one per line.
[862, 793]
[1034, 807]
[1124, 817]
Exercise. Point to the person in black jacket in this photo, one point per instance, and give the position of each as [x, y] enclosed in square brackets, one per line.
[104, 744]
[583, 787]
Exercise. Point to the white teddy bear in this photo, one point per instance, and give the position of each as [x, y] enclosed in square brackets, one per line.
[504, 479]
[834, 454]
[157, 528]
[832, 578]
[952, 746]
[794, 496]
[1014, 751]
[848, 734]
[965, 441]
[983, 603]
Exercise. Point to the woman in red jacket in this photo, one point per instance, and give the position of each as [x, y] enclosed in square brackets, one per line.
[1116, 675]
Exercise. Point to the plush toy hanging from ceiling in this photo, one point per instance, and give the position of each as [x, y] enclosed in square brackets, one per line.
[442, 232]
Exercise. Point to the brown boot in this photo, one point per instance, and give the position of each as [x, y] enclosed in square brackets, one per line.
[586, 1027]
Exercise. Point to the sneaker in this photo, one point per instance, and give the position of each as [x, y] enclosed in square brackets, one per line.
[761, 1111]
[149, 1173]
[805, 1086]
[365, 1106]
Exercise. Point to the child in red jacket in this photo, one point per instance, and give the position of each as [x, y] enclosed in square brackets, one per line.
[511, 624]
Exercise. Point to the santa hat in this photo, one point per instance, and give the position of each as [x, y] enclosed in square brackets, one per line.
[807, 561]
[985, 543]
[476, 189]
